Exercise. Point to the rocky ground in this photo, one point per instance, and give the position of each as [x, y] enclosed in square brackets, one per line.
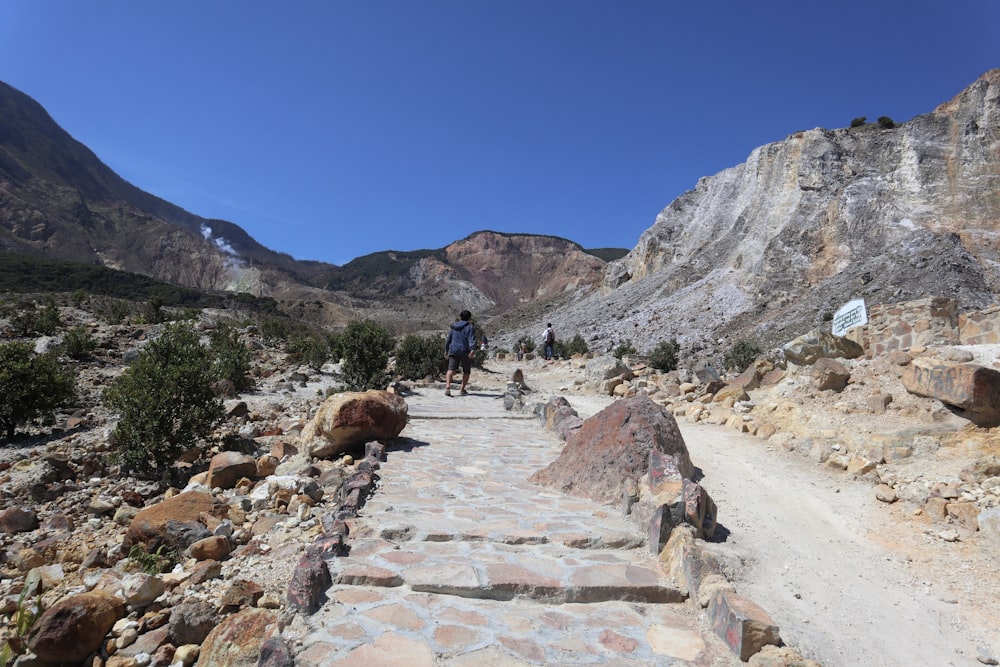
[837, 539]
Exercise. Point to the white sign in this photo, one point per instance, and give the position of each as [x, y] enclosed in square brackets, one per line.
[850, 315]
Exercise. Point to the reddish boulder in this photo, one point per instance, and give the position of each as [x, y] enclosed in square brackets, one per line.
[17, 520]
[73, 628]
[175, 523]
[613, 447]
[351, 419]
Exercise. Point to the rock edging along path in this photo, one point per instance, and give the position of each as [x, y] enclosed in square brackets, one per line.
[456, 559]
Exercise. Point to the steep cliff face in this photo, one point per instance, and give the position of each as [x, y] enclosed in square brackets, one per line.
[825, 215]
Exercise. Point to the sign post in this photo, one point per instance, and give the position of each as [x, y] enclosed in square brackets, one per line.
[852, 314]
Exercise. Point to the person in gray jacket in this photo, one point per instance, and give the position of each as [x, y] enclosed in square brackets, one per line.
[460, 348]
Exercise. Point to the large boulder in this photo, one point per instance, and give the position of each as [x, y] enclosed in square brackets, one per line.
[227, 468]
[816, 344]
[175, 524]
[612, 448]
[74, 627]
[604, 368]
[974, 390]
[350, 419]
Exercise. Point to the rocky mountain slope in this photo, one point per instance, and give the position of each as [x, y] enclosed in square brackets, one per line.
[58, 200]
[773, 246]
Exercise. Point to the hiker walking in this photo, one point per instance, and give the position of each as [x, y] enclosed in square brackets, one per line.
[460, 348]
[549, 340]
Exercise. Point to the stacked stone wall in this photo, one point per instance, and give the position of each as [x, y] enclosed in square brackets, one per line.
[930, 321]
[980, 327]
[900, 326]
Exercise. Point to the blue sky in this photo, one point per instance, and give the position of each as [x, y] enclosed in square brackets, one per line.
[332, 129]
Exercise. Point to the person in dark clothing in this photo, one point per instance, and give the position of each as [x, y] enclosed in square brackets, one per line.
[460, 348]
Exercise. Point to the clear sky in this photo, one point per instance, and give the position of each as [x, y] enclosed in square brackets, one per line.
[330, 129]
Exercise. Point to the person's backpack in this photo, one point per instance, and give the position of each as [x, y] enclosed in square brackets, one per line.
[550, 336]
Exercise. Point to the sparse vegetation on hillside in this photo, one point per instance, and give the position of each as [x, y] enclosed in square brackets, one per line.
[380, 268]
[31, 385]
[27, 274]
[859, 121]
[165, 402]
[607, 254]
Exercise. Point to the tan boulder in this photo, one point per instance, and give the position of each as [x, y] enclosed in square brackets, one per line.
[351, 419]
[816, 344]
[974, 390]
[227, 468]
[830, 374]
[237, 641]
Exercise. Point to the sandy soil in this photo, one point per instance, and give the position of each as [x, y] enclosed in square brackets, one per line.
[851, 581]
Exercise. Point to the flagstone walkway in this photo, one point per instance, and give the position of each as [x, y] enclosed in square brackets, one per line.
[457, 560]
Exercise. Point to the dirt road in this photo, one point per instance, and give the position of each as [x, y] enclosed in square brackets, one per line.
[838, 596]
[850, 581]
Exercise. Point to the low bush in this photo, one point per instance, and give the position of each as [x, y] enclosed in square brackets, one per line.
[231, 357]
[31, 385]
[664, 355]
[743, 353]
[576, 345]
[78, 343]
[421, 356]
[164, 401]
[366, 346]
[623, 349]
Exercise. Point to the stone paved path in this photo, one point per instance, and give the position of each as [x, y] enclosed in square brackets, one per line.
[458, 560]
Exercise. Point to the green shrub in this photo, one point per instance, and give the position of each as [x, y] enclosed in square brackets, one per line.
[743, 353]
[421, 356]
[31, 385]
[157, 562]
[165, 402]
[886, 123]
[576, 345]
[33, 320]
[623, 349]
[311, 350]
[274, 330]
[231, 357]
[859, 121]
[78, 343]
[664, 355]
[366, 346]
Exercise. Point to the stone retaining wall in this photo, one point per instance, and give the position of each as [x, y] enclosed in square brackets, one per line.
[930, 321]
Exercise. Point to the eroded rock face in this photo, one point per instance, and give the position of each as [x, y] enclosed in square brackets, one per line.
[810, 222]
[613, 447]
[351, 419]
